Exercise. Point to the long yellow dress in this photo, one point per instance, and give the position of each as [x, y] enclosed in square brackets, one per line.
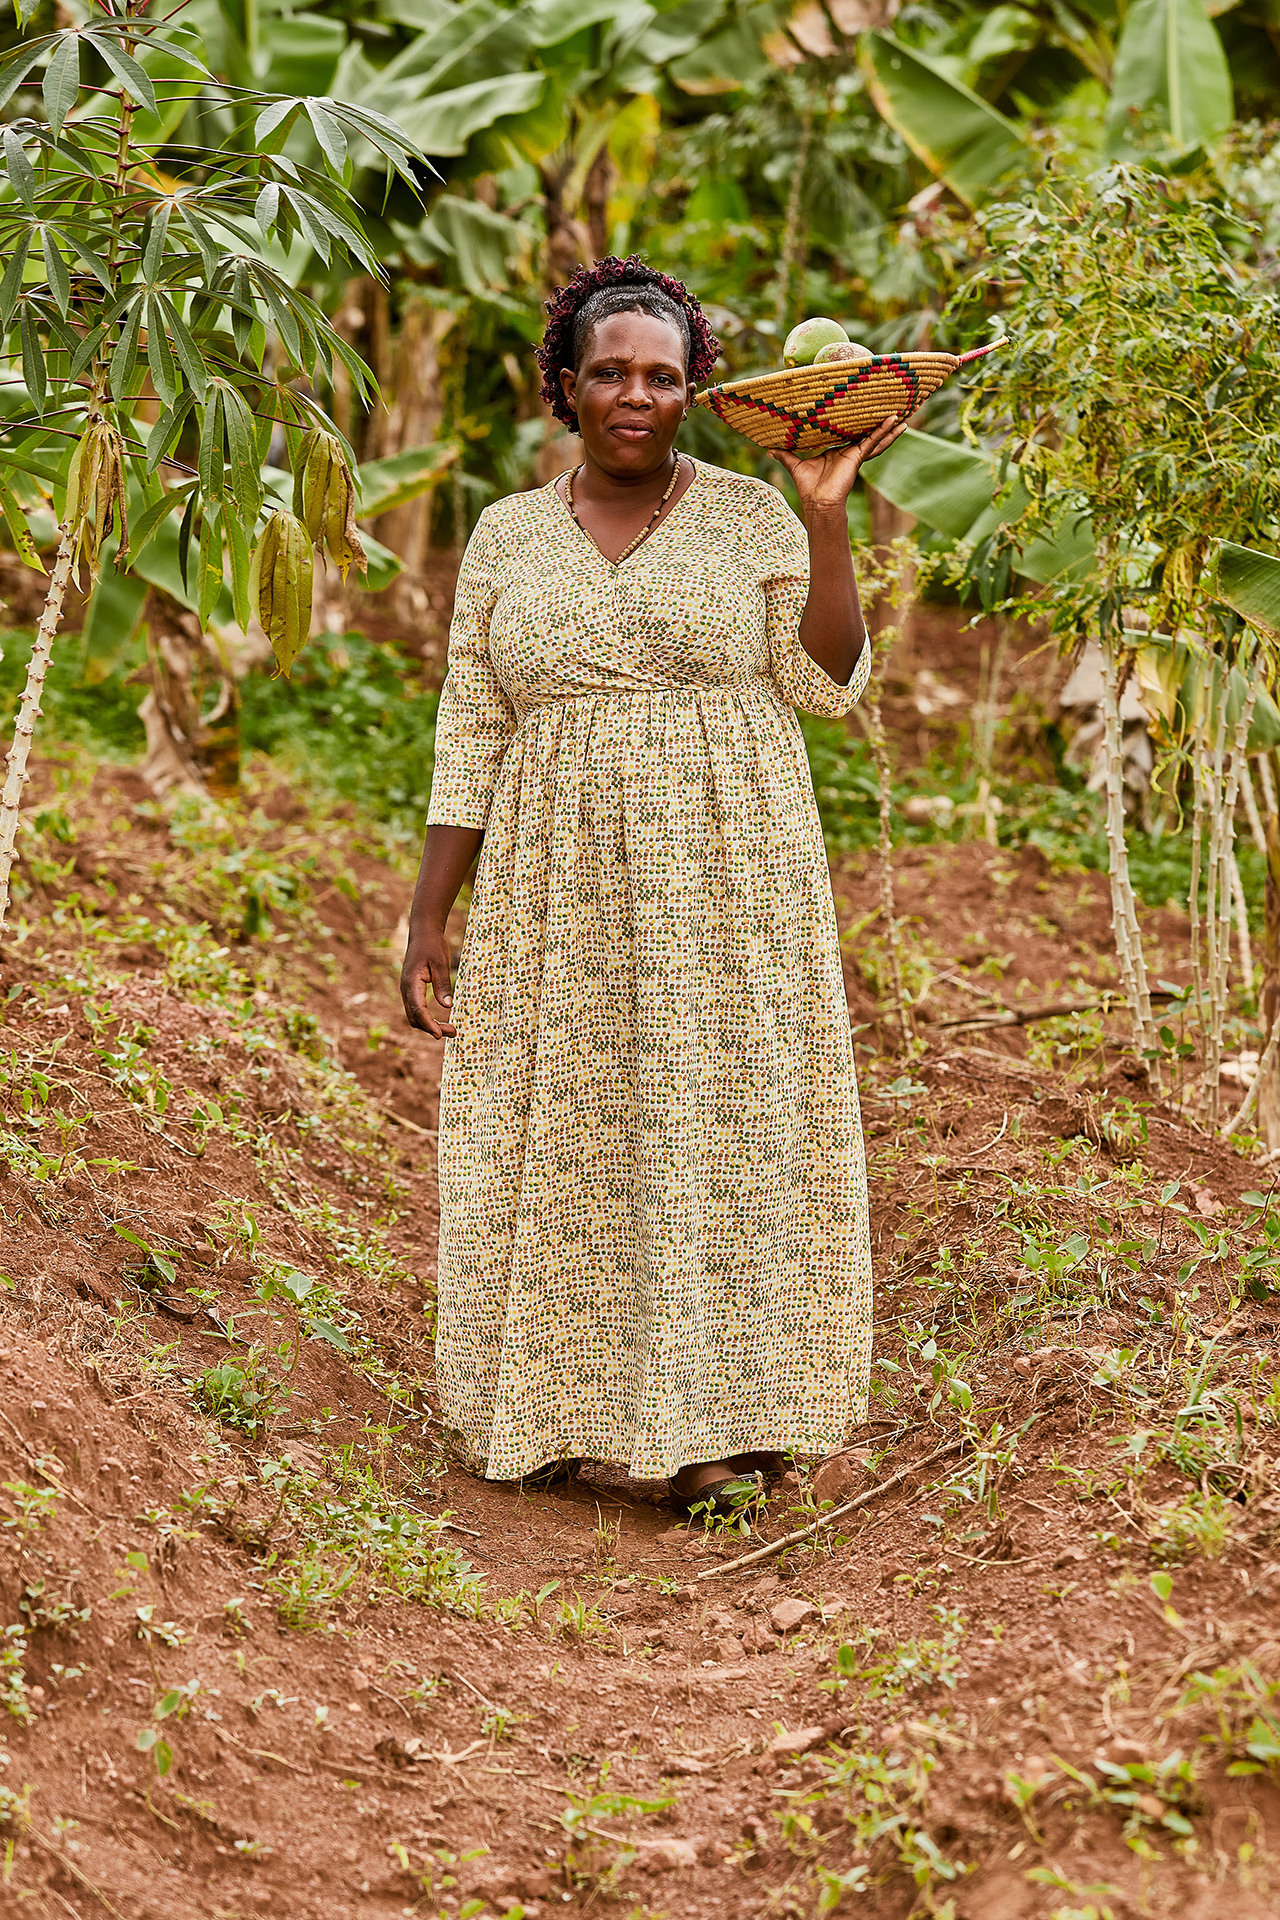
[653, 1201]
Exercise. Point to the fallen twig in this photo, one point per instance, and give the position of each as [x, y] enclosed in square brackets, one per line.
[1027, 1016]
[69, 1866]
[36, 1462]
[993, 1142]
[261, 1753]
[883, 1486]
[483, 1698]
[837, 1513]
[410, 1126]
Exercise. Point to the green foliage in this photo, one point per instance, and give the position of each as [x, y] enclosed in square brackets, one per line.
[241, 1393]
[120, 283]
[1140, 384]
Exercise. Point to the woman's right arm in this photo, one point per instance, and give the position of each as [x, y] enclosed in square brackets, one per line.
[446, 861]
[474, 726]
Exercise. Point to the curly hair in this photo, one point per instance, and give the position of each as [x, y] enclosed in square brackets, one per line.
[618, 286]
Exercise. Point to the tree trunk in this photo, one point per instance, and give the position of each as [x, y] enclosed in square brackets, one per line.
[568, 244]
[29, 712]
[595, 201]
[414, 421]
[188, 751]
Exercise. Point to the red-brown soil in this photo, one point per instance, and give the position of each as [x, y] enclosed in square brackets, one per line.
[592, 1725]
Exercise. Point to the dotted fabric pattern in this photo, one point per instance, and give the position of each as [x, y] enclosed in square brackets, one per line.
[653, 1235]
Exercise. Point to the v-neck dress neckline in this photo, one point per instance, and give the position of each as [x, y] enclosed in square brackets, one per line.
[617, 566]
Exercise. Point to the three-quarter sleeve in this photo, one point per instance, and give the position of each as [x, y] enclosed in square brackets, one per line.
[783, 558]
[475, 720]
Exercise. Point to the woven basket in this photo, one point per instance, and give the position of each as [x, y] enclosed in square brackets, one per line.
[812, 410]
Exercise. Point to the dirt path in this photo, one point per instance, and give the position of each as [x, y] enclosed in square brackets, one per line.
[267, 1650]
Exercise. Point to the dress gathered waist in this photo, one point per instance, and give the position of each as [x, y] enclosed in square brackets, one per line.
[687, 689]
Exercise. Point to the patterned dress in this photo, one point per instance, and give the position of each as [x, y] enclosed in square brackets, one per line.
[653, 1202]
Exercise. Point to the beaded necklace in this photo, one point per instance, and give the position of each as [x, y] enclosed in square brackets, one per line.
[646, 530]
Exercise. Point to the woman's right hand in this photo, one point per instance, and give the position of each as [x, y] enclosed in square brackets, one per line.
[447, 855]
[426, 965]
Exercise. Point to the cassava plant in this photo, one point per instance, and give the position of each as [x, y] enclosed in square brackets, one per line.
[1140, 398]
[152, 335]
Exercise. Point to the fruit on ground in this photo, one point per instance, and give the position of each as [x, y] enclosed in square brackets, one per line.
[842, 350]
[805, 342]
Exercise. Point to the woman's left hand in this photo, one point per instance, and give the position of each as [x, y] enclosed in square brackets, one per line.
[825, 481]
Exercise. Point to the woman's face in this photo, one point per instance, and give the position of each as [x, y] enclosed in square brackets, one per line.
[630, 392]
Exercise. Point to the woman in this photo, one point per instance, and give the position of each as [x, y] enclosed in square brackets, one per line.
[653, 1212]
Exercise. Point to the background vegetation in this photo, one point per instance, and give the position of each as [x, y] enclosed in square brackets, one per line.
[933, 174]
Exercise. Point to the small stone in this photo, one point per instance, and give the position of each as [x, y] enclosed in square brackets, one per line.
[728, 1648]
[534, 1884]
[801, 1740]
[840, 1478]
[789, 1614]
[720, 1621]
[679, 1855]
[756, 1638]
[359, 1681]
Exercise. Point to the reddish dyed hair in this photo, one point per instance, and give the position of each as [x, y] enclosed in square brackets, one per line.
[649, 291]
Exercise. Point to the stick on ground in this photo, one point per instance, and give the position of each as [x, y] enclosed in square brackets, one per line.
[837, 1513]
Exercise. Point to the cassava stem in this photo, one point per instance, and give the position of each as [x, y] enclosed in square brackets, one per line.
[1124, 915]
[16, 775]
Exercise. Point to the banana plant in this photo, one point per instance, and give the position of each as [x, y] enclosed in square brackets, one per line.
[1161, 63]
[153, 341]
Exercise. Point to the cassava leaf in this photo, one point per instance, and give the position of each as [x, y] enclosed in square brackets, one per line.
[124, 359]
[164, 375]
[56, 269]
[11, 285]
[62, 79]
[328, 131]
[164, 434]
[134, 79]
[34, 377]
[22, 176]
[188, 354]
[17, 64]
[19, 532]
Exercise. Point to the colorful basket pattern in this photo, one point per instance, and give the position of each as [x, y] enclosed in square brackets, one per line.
[812, 410]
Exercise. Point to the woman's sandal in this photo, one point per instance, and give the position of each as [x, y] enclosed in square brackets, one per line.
[719, 1499]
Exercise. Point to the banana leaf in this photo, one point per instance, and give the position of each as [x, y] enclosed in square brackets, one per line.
[479, 242]
[1169, 65]
[1180, 683]
[731, 59]
[387, 484]
[443, 123]
[960, 138]
[1249, 582]
[951, 487]
[301, 52]
[945, 483]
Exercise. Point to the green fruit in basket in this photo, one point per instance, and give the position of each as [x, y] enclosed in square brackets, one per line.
[805, 342]
[842, 350]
